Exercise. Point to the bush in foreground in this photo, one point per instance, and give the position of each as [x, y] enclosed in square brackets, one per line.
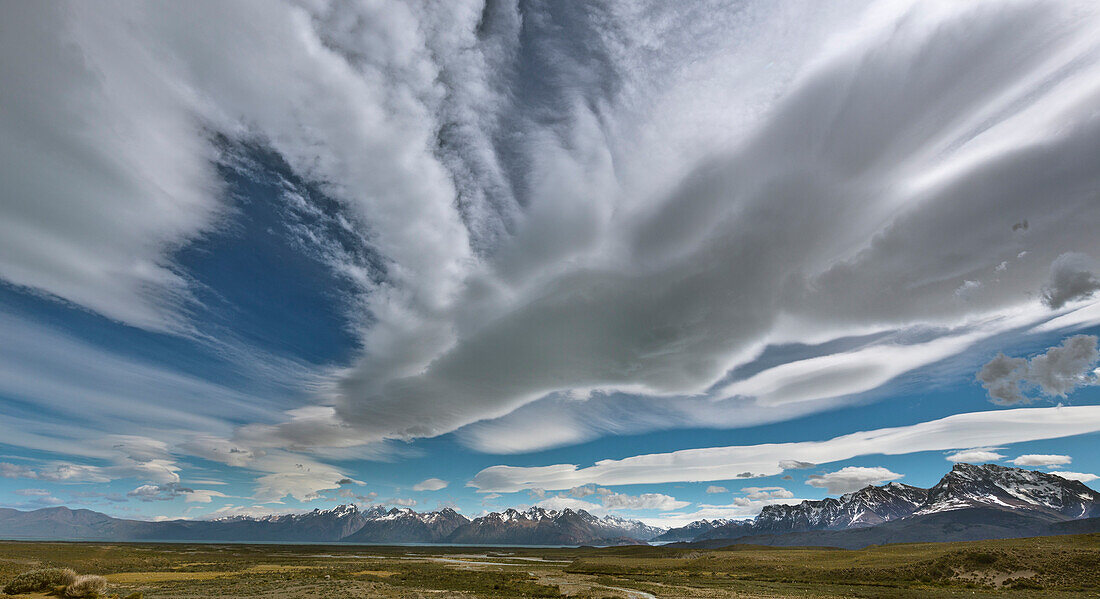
[40, 580]
[87, 585]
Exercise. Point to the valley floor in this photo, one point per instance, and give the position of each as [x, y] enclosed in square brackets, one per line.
[1067, 566]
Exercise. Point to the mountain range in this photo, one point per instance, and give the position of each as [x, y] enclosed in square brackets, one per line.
[344, 523]
[969, 503]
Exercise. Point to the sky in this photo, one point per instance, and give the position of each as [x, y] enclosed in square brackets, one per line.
[666, 261]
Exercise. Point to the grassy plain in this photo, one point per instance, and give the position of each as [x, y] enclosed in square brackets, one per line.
[1066, 566]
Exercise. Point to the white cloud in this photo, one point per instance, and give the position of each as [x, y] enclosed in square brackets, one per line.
[845, 373]
[585, 491]
[1033, 459]
[1083, 477]
[93, 202]
[294, 475]
[618, 293]
[761, 493]
[164, 492]
[973, 429]
[1084, 316]
[617, 227]
[108, 393]
[716, 489]
[38, 498]
[32, 492]
[975, 456]
[851, 478]
[557, 502]
[430, 484]
[747, 505]
[645, 501]
[127, 456]
[55, 472]
[203, 496]
[795, 465]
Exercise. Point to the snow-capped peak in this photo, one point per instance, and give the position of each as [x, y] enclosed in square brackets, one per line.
[969, 485]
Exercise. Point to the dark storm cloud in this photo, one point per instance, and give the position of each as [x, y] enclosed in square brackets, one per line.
[1054, 373]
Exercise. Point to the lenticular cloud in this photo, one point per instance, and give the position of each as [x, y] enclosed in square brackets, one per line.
[887, 176]
[576, 201]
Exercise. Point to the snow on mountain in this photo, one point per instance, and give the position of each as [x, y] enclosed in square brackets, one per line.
[404, 525]
[633, 528]
[868, 506]
[968, 485]
[540, 526]
[692, 530]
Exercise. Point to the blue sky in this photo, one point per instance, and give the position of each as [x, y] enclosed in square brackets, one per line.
[662, 261]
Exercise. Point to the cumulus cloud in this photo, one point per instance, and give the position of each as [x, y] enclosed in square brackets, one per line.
[851, 478]
[587, 490]
[752, 494]
[366, 498]
[1054, 373]
[973, 429]
[645, 501]
[165, 492]
[974, 456]
[716, 489]
[609, 500]
[1071, 278]
[1033, 459]
[430, 484]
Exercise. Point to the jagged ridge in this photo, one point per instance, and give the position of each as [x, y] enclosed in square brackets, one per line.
[967, 486]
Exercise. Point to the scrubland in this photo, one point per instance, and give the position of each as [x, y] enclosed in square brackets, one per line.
[1067, 566]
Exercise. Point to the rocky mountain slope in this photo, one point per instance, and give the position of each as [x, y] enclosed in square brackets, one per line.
[538, 526]
[345, 523]
[696, 529]
[970, 502]
[406, 526]
[1011, 488]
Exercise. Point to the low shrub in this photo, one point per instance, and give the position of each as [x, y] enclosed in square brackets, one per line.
[40, 580]
[87, 585]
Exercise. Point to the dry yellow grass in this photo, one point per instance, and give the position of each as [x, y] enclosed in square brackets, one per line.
[382, 573]
[151, 577]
